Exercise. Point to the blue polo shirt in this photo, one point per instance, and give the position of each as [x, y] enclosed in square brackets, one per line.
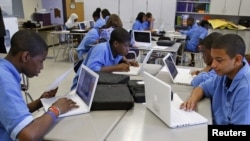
[88, 40]
[202, 77]
[146, 25]
[99, 23]
[105, 33]
[14, 113]
[230, 104]
[106, 19]
[137, 25]
[98, 57]
[194, 34]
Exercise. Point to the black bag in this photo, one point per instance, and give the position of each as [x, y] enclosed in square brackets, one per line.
[137, 91]
[110, 78]
[165, 43]
[112, 97]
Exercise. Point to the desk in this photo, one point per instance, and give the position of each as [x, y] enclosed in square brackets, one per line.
[173, 49]
[139, 124]
[65, 36]
[94, 126]
[175, 35]
[48, 27]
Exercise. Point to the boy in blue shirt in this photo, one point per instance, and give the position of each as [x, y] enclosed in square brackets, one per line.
[195, 33]
[27, 53]
[109, 56]
[230, 89]
[205, 48]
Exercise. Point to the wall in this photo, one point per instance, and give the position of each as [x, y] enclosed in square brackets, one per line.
[162, 10]
[55, 7]
[17, 7]
[6, 6]
[29, 7]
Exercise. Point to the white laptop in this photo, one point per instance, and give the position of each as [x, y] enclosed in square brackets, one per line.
[83, 94]
[142, 38]
[81, 28]
[82, 25]
[159, 101]
[92, 24]
[179, 76]
[136, 70]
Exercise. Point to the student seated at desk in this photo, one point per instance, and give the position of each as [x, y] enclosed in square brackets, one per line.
[195, 33]
[27, 53]
[72, 22]
[230, 89]
[148, 24]
[99, 21]
[140, 19]
[105, 14]
[94, 35]
[208, 71]
[109, 56]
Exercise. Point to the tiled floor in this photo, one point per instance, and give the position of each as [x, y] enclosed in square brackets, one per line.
[52, 70]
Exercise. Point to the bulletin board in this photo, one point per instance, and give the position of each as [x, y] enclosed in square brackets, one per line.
[75, 6]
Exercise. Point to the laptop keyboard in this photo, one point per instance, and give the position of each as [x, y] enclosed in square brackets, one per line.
[184, 118]
[76, 99]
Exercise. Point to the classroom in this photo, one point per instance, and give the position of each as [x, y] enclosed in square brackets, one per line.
[205, 42]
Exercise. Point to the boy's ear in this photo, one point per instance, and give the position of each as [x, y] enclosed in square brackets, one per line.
[115, 43]
[238, 59]
[25, 56]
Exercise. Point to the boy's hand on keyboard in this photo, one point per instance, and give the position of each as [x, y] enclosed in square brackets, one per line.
[134, 63]
[123, 67]
[189, 105]
[65, 105]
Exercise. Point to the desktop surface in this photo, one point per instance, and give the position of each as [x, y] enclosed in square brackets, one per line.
[140, 124]
[137, 124]
[93, 126]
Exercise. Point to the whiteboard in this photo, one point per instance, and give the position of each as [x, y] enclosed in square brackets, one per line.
[11, 24]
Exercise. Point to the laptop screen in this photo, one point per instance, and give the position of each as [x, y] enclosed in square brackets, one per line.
[82, 25]
[85, 85]
[142, 36]
[92, 24]
[169, 62]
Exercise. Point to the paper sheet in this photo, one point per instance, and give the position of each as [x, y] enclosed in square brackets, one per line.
[58, 80]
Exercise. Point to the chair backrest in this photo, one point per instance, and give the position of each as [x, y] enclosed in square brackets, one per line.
[132, 54]
[25, 87]
[25, 83]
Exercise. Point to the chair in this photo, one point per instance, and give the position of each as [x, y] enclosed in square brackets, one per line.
[132, 54]
[198, 55]
[157, 56]
[25, 87]
[66, 43]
